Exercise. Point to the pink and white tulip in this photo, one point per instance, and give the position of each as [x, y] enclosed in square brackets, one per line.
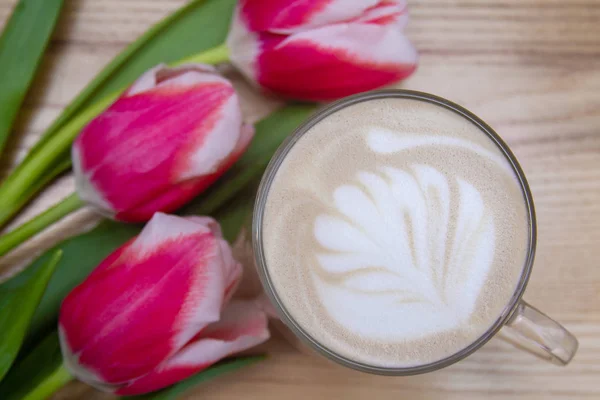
[164, 141]
[321, 49]
[158, 309]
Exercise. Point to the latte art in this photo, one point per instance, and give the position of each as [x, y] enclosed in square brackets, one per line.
[397, 252]
[384, 141]
[395, 232]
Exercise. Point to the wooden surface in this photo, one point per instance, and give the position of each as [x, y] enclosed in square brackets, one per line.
[531, 69]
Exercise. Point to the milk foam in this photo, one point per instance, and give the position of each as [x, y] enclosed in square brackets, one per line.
[395, 232]
[388, 242]
[384, 141]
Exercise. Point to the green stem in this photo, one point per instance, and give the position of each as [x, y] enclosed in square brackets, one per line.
[32, 172]
[51, 384]
[16, 191]
[6, 213]
[39, 223]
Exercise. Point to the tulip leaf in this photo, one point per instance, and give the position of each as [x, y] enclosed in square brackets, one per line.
[220, 368]
[38, 374]
[19, 297]
[22, 46]
[237, 213]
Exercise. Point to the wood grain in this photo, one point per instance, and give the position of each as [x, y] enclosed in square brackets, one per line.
[530, 68]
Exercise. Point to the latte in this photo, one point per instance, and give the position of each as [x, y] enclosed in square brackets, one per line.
[395, 232]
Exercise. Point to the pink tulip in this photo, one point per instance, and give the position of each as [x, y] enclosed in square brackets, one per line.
[157, 310]
[165, 140]
[321, 49]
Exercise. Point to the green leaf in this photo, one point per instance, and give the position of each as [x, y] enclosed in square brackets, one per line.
[221, 368]
[237, 213]
[40, 371]
[19, 297]
[22, 46]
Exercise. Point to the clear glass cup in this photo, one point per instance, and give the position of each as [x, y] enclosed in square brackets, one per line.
[521, 324]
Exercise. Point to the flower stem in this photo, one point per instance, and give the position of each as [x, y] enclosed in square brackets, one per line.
[7, 213]
[51, 384]
[39, 223]
[16, 190]
[11, 193]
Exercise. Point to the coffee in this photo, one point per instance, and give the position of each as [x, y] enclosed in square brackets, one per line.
[395, 232]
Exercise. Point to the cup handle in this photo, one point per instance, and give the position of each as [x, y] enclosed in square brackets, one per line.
[530, 329]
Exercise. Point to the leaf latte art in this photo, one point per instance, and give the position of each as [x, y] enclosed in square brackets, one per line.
[395, 232]
[398, 256]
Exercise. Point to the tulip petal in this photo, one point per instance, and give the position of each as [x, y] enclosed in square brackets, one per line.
[163, 75]
[148, 299]
[242, 326]
[321, 49]
[217, 144]
[386, 13]
[71, 362]
[147, 152]
[244, 48]
[335, 61]
[285, 16]
[233, 269]
[178, 194]
[86, 189]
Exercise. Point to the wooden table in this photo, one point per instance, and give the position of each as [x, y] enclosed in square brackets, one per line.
[531, 68]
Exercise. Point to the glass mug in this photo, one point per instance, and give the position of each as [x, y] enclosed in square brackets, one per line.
[521, 324]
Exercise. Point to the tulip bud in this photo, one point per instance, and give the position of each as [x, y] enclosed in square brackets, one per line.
[321, 49]
[157, 310]
[165, 140]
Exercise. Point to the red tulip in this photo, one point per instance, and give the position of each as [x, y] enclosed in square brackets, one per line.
[164, 141]
[321, 49]
[157, 310]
